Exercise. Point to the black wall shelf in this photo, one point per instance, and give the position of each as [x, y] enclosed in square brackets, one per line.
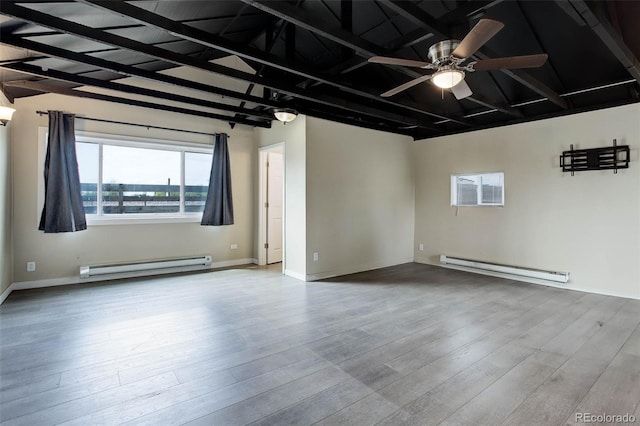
[608, 158]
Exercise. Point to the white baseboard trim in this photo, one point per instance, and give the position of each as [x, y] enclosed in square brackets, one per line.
[293, 274]
[7, 291]
[565, 286]
[52, 282]
[355, 269]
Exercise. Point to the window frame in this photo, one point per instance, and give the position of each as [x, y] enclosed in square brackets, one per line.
[131, 142]
[454, 189]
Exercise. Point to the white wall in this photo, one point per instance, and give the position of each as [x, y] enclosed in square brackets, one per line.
[295, 209]
[6, 250]
[587, 224]
[60, 255]
[360, 199]
[348, 196]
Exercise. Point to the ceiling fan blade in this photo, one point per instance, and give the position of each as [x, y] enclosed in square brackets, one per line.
[479, 35]
[403, 62]
[461, 90]
[405, 86]
[512, 62]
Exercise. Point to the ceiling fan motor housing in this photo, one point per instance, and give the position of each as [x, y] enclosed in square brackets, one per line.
[440, 53]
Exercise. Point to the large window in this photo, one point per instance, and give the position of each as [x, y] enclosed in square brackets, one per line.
[142, 180]
[485, 189]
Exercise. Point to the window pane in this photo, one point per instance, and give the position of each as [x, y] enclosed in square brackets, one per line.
[139, 180]
[467, 187]
[88, 155]
[197, 168]
[492, 188]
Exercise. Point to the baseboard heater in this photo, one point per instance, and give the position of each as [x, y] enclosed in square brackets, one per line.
[147, 268]
[468, 264]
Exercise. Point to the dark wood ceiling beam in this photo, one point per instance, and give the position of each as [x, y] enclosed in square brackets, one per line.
[130, 26]
[290, 42]
[49, 88]
[345, 38]
[39, 18]
[415, 14]
[269, 42]
[549, 62]
[596, 18]
[469, 10]
[357, 62]
[346, 22]
[526, 79]
[163, 78]
[202, 37]
[568, 8]
[338, 35]
[413, 37]
[284, 10]
[127, 88]
[409, 39]
[363, 48]
[130, 71]
[401, 120]
[6, 94]
[502, 107]
[361, 123]
[420, 17]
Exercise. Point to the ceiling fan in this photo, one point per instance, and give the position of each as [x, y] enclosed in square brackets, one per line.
[447, 58]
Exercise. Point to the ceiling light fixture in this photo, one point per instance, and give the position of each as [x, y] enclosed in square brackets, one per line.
[5, 114]
[446, 78]
[285, 115]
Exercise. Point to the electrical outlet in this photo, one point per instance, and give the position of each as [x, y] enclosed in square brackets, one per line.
[31, 266]
[315, 256]
[234, 246]
[421, 247]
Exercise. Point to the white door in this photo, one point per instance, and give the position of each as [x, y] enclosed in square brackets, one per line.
[274, 207]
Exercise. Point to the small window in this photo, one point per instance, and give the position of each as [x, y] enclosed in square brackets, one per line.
[485, 189]
[132, 179]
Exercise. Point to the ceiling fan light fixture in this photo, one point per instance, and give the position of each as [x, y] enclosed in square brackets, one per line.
[285, 115]
[5, 114]
[447, 78]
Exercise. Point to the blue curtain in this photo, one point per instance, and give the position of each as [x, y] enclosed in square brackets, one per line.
[63, 210]
[218, 209]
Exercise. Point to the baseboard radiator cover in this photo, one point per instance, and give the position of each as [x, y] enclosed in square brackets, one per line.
[468, 264]
[151, 267]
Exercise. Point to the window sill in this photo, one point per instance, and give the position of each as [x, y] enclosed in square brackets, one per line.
[141, 220]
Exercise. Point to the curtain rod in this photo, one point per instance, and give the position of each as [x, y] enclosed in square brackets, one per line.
[147, 126]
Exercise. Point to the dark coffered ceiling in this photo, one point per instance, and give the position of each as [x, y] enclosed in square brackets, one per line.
[311, 55]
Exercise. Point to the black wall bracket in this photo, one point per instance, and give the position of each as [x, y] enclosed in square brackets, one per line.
[608, 158]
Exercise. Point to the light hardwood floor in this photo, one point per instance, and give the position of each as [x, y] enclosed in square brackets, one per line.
[410, 344]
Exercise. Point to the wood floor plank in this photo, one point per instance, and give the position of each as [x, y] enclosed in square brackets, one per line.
[266, 403]
[632, 345]
[498, 400]
[555, 400]
[90, 403]
[30, 387]
[183, 411]
[50, 398]
[616, 392]
[443, 400]
[318, 406]
[270, 362]
[364, 412]
[408, 344]
[149, 403]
